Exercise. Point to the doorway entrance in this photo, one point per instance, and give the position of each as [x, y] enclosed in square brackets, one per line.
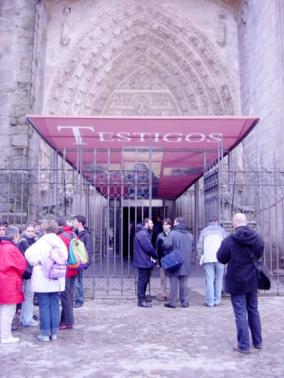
[133, 216]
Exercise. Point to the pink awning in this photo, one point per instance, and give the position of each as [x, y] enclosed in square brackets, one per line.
[117, 154]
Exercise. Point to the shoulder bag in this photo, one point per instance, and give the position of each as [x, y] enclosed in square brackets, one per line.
[263, 277]
[172, 261]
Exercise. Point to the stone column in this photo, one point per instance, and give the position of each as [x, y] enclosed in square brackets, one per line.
[261, 75]
[22, 54]
[20, 61]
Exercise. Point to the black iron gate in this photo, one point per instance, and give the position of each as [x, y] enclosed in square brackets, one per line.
[117, 198]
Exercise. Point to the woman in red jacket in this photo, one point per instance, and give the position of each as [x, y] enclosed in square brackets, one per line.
[12, 266]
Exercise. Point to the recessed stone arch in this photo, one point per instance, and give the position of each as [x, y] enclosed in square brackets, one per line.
[140, 93]
[102, 63]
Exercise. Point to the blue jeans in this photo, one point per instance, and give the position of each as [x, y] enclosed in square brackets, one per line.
[214, 280]
[26, 316]
[247, 317]
[79, 288]
[48, 313]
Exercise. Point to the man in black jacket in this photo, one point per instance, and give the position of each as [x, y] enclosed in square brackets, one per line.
[241, 280]
[144, 258]
[83, 233]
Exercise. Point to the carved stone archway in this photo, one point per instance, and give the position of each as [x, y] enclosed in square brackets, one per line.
[144, 61]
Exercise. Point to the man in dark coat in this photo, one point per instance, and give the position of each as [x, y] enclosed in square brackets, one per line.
[144, 259]
[66, 234]
[157, 229]
[84, 235]
[179, 238]
[241, 280]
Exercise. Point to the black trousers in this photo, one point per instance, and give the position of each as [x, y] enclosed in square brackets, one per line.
[143, 279]
[67, 301]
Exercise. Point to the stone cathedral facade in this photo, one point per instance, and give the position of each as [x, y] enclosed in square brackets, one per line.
[141, 58]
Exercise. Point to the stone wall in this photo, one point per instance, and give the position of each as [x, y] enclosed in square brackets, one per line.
[171, 57]
[19, 25]
[158, 58]
[22, 46]
[22, 43]
[261, 49]
[261, 46]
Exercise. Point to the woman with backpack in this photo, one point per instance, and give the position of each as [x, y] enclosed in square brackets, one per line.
[26, 317]
[48, 257]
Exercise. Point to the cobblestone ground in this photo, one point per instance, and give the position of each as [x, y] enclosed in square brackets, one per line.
[115, 338]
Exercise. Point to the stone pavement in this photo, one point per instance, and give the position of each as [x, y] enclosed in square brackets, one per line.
[115, 338]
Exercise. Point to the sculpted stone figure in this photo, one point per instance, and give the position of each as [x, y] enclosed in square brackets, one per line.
[64, 37]
[221, 31]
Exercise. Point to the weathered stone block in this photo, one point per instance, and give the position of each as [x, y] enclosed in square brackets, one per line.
[19, 141]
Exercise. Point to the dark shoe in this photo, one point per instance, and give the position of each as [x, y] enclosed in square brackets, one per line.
[148, 299]
[77, 305]
[258, 346]
[245, 351]
[144, 304]
[65, 326]
[35, 300]
[15, 323]
[161, 298]
[169, 305]
[185, 305]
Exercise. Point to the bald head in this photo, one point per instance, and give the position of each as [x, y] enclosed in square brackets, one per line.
[239, 219]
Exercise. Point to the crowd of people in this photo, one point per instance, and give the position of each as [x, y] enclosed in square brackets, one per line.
[35, 265]
[34, 269]
[215, 250]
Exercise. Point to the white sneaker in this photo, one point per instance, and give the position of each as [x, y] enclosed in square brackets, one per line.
[32, 323]
[10, 340]
[43, 338]
[53, 337]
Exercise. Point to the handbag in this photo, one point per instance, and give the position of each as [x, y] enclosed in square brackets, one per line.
[172, 261]
[262, 274]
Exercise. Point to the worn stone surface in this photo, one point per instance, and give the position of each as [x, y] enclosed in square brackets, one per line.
[115, 338]
[261, 54]
[173, 57]
[169, 58]
[158, 58]
[22, 46]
